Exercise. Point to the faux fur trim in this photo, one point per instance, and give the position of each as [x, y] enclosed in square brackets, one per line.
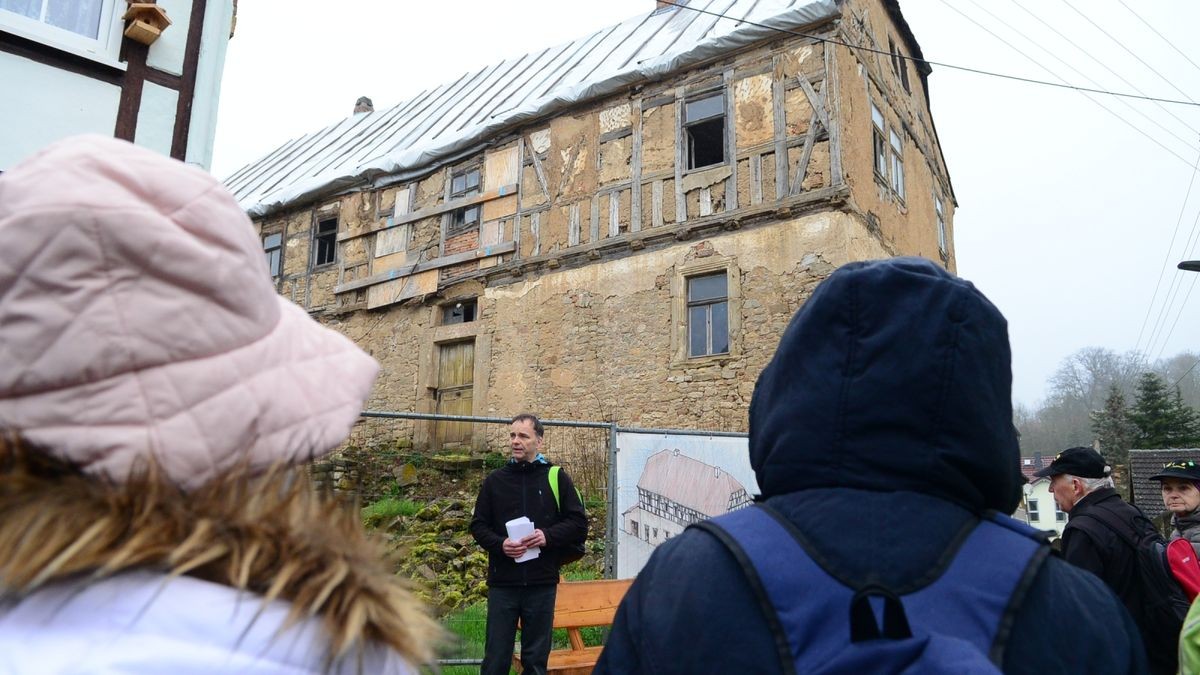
[270, 534]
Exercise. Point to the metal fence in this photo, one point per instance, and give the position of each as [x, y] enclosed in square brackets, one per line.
[383, 441]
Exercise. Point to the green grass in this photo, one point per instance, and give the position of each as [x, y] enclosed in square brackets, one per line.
[468, 628]
[387, 509]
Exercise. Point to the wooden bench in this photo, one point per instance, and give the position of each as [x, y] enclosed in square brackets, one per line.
[580, 604]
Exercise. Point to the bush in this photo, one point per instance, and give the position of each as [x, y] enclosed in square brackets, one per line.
[385, 510]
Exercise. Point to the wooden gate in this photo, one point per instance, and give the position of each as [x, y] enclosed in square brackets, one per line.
[455, 393]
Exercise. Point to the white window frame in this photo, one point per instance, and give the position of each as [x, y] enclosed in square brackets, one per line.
[879, 143]
[939, 209]
[897, 163]
[104, 48]
[1034, 515]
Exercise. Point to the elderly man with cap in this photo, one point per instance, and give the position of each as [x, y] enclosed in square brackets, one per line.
[1101, 537]
[882, 441]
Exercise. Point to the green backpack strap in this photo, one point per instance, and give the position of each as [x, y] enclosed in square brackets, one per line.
[554, 470]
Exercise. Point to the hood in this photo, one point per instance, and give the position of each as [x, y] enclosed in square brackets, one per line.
[138, 320]
[895, 375]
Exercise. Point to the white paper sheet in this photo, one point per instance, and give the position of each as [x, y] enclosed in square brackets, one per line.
[518, 529]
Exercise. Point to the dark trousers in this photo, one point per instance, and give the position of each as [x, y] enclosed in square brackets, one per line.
[534, 606]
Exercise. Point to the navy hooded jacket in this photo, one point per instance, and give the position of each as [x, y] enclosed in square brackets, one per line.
[881, 428]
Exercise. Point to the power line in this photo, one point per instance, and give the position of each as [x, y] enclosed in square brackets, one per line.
[1185, 374]
[940, 64]
[1188, 248]
[1102, 64]
[1131, 52]
[1054, 56]
[1164, 38]
[1043, 67]
[1167, 256]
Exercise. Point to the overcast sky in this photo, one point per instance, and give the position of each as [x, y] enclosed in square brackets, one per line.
[1067, 211]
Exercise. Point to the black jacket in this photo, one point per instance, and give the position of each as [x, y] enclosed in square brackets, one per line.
[881, 428]
[523, 489]
[1091, 545]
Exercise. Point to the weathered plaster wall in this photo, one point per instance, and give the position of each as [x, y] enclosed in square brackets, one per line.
[595, 342]
[908, 225]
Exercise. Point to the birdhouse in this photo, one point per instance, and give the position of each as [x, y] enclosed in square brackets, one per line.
[146, 22]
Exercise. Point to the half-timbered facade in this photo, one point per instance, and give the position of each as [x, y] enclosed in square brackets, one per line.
[146, 72]
[616, 228]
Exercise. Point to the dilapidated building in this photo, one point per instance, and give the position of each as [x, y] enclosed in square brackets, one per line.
[615, 228]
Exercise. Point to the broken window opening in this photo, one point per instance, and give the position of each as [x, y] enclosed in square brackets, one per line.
[899, 64]
[704, 131]
[460, 312]
[708, 314]
[325, 243]
[273, 247]
[463, 219]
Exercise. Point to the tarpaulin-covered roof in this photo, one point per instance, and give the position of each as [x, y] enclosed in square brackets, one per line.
[453, 120]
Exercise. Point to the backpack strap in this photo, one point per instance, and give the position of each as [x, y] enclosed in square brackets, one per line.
[1114, 522]
[975, 598]
[554, 486]
[555, 471]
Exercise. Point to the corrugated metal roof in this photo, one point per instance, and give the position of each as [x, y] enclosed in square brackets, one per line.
[450, 121]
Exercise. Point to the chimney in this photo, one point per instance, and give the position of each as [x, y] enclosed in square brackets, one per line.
[363, 105]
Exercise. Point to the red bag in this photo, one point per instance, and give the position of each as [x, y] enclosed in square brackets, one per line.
[1182, 558]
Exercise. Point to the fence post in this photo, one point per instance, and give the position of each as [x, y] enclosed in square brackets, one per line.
[610, 537]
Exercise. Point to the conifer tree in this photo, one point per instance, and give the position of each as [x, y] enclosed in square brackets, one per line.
[1113, 428]
[1162, 419]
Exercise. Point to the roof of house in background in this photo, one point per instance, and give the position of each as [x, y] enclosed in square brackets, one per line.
[456, 119]
[1030, 465]
[1145, 463]
[689, 482]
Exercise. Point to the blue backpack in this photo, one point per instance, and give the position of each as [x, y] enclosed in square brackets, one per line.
[956, 620]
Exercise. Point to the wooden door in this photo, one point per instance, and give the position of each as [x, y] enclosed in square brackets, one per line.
[455, 393]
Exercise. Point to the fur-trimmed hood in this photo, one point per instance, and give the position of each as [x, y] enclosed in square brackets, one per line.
[270, 535]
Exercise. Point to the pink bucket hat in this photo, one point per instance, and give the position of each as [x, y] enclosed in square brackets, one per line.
[138, 318]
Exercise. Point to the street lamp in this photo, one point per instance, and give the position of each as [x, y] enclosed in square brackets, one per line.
[1190, 265]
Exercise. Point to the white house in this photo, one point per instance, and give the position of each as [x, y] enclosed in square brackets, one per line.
[1040, 509]
[142, 71]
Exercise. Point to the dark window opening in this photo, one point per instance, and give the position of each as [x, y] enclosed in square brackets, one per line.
[704, 131]
[463, 219]
[708, 315]
[325, 243]
[459, 312]
[273, 247]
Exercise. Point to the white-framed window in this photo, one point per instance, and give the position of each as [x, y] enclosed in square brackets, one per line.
[879, 142]
[1060, 516]
[90, 28]
[1032, 507]
[941, 223]
[897, 165]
